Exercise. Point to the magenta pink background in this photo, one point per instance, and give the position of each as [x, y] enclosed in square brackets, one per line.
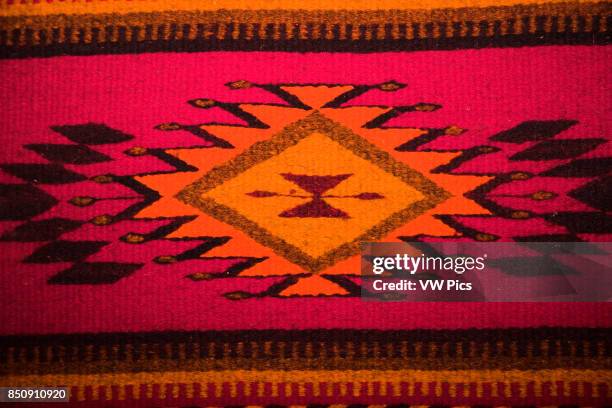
[484, 91]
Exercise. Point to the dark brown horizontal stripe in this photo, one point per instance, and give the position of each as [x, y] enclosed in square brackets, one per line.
[316, 363]
[509, 41]
[531, 343]
[290, 30]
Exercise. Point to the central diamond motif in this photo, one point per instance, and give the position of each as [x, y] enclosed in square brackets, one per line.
[314, 192]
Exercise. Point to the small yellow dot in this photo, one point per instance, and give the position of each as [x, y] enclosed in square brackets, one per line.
[242, 84]
[453, 130]
[520, 176]
[136, 151]
[543, 195]
[169, 126]
[103, 179]
[102, 219]
[389, 86]
[201, 276]
[204, 103]
[519, 215]
[485, 237]
[133, 238]
[165, 259]
[238, 295]
[425, 107]
[82, 201]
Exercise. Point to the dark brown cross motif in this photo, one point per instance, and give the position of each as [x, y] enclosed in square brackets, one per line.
[317, 207]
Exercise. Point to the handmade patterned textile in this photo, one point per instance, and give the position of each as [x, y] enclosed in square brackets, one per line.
[185, 186]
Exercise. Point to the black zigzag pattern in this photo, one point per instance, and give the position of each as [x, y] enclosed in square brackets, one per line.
[22, 202]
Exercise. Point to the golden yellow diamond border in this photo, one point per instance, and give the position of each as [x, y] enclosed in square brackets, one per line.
[290, 136]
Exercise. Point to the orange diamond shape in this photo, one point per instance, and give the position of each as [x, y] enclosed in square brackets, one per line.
[319, 148]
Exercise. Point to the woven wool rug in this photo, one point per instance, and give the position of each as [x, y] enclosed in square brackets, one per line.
[185, 186]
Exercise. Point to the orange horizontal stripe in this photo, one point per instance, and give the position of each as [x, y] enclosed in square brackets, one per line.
[45, 7]
[281, 380]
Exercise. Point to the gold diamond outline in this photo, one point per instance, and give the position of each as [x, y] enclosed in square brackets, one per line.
[290, 136]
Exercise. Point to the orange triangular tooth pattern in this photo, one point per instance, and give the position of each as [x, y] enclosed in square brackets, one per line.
[426, 224]
[459, 183]
[159, 182]
[204, 159]
[461, 205]
[316, 96]
[389, 139]
[167, 207]
[425, 162]
[277, 117]
[314, 285]
[349, 266]
[273, 266]
[167, 185]
[206, 223]
[354, 117]
[239, 244]
[238, 136]
[241, 137]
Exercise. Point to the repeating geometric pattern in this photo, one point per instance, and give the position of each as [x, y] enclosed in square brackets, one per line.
[184, 187]
[121, 28]
[558, 192]
[318, 367]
